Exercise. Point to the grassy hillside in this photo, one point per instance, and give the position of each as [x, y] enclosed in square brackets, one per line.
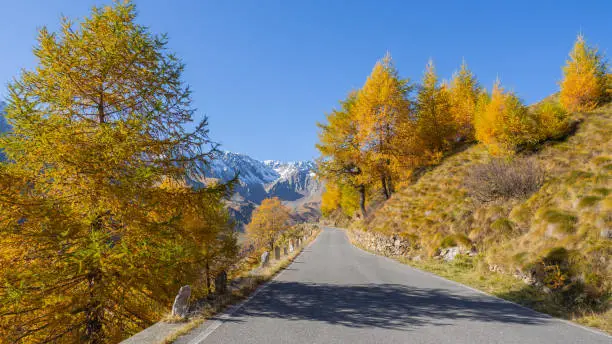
[558, 239]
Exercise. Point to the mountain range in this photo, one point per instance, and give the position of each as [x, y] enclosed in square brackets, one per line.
[294, 183]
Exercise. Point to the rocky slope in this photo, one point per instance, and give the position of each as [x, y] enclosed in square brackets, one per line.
[294, 183]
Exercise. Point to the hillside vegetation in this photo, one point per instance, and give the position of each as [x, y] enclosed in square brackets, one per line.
[558, 237]
[450, 172]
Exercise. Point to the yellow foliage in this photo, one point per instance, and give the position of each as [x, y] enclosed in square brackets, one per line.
[501, 121]
[97, 231]
[435, 124]
[464, 91]
[330, 200]
[584, 78]
[381, 106]
[551, 120]
[269, 220]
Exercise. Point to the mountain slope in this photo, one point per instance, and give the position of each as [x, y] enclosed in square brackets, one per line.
[558, 239]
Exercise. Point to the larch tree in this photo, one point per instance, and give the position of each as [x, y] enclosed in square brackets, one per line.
[584, 81]
[92, 245]
[435, 123]
[382, 105]
[269, 220]
[464, 90]
[502, 121]
[342, 160]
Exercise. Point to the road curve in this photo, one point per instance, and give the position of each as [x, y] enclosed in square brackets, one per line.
[336, 293]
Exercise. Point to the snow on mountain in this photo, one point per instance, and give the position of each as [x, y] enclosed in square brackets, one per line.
[294, 183]
[251, 171]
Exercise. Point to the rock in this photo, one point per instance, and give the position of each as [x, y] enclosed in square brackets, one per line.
[265, 259]
[450, 253]
[181, 302]
[528, 278]
[397, 243]
[277, 253]
[221, 282]
[416, 258]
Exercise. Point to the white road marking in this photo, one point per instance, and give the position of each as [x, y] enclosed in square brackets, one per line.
[199, 339]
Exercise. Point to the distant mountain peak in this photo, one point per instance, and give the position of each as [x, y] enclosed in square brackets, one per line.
[293, 182]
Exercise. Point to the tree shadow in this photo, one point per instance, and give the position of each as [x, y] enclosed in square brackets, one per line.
[388, 306]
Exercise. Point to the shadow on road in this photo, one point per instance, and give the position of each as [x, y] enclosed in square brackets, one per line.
[387, 306]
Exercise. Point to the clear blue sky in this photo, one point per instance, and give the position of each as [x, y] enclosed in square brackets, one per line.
[266, 71]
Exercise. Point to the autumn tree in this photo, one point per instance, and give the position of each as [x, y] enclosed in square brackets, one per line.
[584, 78]
[435, 124]
[93, 246]
[381, 106]
[503, 122]
[464, 91]
[341, 162]
[269, 220]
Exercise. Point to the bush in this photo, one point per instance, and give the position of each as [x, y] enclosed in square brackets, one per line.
[551, 121]
[502, 179]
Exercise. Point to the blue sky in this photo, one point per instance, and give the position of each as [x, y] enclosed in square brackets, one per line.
[266, 71]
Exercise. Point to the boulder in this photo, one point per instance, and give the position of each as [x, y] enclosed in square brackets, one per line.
[180, 307]
[450, 253]
[265, 259]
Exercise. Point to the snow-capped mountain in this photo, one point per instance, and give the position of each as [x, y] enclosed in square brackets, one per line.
[293, 182]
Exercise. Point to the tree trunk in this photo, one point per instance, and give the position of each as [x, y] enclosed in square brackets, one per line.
[93, 311]
[207, 267]
[362, 200]
[385, 187]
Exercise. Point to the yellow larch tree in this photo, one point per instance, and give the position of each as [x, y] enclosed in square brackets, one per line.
[584, 78]
[93, 247]
[269, 220]
[382, 105]
[502, 121]
[342, 161]
[464, 91]
[435, 124]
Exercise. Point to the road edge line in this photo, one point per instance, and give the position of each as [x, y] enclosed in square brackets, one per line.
[228, 313]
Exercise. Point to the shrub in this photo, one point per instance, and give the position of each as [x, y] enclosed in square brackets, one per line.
[551, 121]
[502, 179]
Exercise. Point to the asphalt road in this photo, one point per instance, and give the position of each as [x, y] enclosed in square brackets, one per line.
[336, 293]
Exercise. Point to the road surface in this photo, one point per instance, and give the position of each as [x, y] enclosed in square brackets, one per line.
[336, 293]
